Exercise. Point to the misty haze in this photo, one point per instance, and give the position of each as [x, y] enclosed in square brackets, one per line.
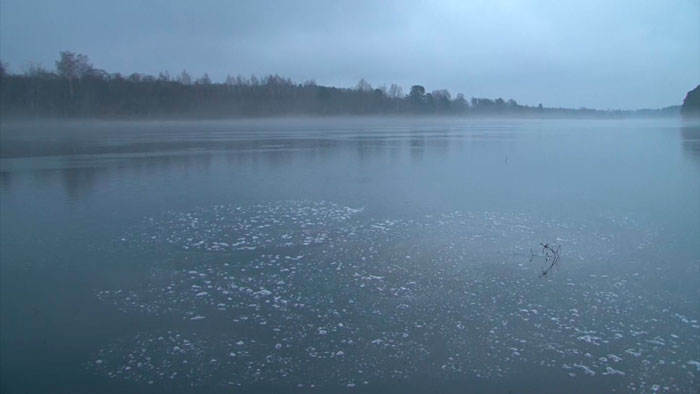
[349, 197]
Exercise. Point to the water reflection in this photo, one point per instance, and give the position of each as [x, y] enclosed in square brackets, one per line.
[5, 179]
[78, 181]
[417, 144]
[85, 156]
[605, 192]
[80, 164]
[690, 139]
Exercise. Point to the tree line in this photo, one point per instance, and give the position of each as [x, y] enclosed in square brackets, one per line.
[691, 103]
[78, 89]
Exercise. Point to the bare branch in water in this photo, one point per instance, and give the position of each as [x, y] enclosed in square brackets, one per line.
[551, 257]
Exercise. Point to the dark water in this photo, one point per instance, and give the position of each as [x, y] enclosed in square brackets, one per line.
[350, 255]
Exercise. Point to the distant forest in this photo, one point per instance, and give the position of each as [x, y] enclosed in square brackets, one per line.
[76, 89]
[691, 103]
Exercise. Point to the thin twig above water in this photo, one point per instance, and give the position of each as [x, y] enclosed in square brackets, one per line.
[551, 255]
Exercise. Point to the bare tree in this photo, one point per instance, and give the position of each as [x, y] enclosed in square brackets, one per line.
[395, 91]
[164, 76]
[72, 66]
[4, 69]
[363, 86]
[35, 70]
[441, 94]
[460, 103]
[241, 80]
[203, 80]
[184, 78]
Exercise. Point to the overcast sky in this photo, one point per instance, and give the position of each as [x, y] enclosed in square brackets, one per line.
[598, 54]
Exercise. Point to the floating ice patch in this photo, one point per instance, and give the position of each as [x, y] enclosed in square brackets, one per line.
[612, 371]
[327, 297]
[586, 369]
[226, 228]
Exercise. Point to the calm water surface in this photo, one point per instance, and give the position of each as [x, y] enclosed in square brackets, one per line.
[350, 255]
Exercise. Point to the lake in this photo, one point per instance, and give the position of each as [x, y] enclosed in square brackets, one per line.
[350, 255]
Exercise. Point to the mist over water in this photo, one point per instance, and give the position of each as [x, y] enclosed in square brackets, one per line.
[350, 254]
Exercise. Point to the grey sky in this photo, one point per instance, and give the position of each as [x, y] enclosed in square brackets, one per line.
[597, 54]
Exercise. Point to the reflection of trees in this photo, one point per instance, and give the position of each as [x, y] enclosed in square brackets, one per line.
[80, 176]
[78, 181]
[690, 138]
[365, 146]
[126, 152]
[5, 180]
[417, 145]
